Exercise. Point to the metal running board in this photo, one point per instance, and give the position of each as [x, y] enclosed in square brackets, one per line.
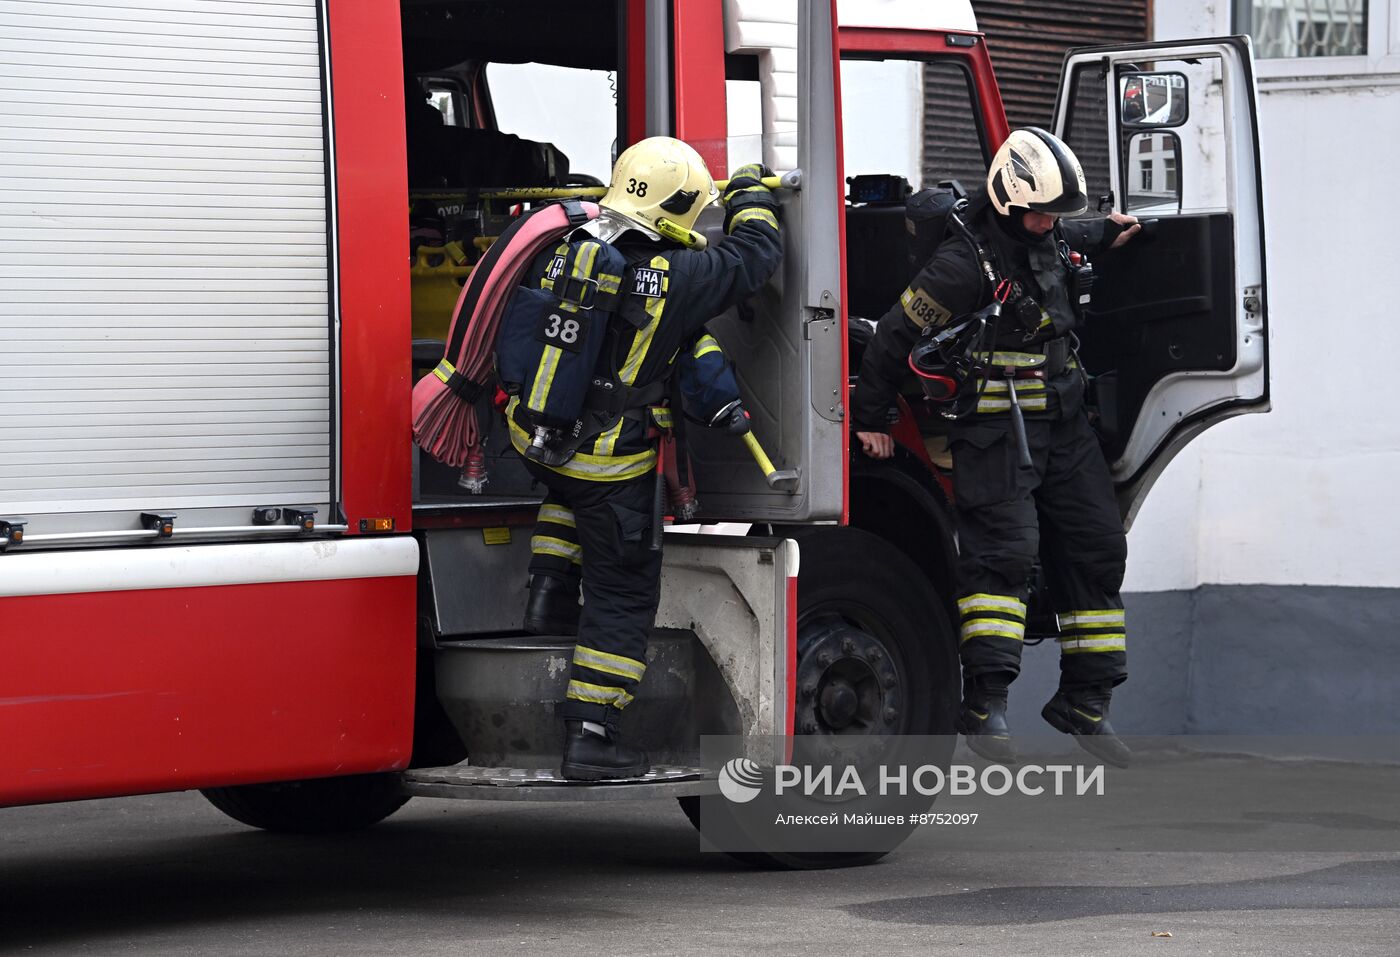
[529, 784]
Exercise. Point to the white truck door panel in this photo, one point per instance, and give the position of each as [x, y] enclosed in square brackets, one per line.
[1177, 336]
[786, 341]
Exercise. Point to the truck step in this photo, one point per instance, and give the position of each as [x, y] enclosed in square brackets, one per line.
[463, 782]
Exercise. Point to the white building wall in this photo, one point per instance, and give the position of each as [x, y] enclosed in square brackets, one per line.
[1307, 493]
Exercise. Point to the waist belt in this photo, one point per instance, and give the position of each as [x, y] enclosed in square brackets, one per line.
[1044, 361]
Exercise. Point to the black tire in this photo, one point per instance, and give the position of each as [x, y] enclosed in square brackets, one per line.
[320, 806]
[857, 591]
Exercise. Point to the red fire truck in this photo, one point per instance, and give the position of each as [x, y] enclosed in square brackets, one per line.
[224, 566]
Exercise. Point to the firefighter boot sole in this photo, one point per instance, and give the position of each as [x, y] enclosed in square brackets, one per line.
[588, 772]
[1096, 737]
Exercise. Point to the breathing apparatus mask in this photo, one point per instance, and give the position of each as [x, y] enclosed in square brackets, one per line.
[944, 361]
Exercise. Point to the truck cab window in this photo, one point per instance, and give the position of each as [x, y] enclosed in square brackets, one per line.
[573, 109]
[907, 124]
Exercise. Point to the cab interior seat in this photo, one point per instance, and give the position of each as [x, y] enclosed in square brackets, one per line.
[877, 258]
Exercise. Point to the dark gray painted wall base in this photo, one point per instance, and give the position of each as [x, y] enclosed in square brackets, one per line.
[1246, 659]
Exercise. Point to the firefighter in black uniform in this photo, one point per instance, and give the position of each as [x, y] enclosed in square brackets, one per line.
[709, 393]
[670, 287]
[1020, 247]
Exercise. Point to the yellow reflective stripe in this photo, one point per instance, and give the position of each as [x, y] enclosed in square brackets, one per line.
[1076, 646]
[610, 664]
[984, 602]
[557, 515]
[608, 283]
[544, 378]
[608, 440]
[583, 263]
[1024, 387]
[992, 628]
[1020, 360]
[593, 468]
[545, 282]
[753, 212]
[597, 694]
[1032, 404]
[705, 345]
[1101, 617]
[549, 545]
[641, 341]
[662, 417]
[444, 370]
[760, 188]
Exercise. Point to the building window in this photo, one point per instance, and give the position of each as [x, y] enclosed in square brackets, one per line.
[1304, 28]
[1145, 175]
[1169, 173]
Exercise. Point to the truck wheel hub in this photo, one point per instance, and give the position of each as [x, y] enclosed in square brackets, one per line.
[847, 681]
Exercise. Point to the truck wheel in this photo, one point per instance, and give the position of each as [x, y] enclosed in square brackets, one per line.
[319, 806]
[876, 654]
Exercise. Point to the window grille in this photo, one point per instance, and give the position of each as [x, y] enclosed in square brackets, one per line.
[1304, 28]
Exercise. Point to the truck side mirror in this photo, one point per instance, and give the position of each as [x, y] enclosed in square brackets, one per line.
[1151, 100]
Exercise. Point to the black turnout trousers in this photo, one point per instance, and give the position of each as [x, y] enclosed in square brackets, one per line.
[621, 589]
[1002, 511]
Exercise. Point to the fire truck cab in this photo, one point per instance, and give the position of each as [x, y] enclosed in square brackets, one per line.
[231, 237]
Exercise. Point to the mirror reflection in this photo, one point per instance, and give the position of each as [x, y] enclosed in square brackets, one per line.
[1152, 99]
[1153, 162]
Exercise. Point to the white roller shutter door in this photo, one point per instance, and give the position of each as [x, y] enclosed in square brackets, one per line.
[166, 334]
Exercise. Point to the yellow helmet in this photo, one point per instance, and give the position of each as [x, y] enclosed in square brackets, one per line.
[660, 178]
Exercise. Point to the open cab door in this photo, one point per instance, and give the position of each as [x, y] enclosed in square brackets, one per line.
[786, 341]
[1177, 337]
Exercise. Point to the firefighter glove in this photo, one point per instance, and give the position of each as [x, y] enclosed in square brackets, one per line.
[745, 190]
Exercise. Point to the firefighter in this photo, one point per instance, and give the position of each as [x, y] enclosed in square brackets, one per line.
[710, 395]
[670, 286]
[1020, 248]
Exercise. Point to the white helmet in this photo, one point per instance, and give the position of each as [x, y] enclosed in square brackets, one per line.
[1037, 171]
[659, 178]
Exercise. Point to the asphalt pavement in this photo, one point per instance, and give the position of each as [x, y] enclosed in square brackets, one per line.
[167, 874]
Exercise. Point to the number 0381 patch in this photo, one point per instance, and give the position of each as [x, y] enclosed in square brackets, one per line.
[921, 308]
[561, 331]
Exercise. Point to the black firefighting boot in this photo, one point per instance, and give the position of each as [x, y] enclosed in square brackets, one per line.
[593, 753]
[552, 608]
[982, 718]
[1084, 714]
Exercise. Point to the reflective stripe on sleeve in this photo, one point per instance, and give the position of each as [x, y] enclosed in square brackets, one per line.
[753, 212]
[705, 345]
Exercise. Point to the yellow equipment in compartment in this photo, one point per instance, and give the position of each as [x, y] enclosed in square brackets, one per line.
[437, 276]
